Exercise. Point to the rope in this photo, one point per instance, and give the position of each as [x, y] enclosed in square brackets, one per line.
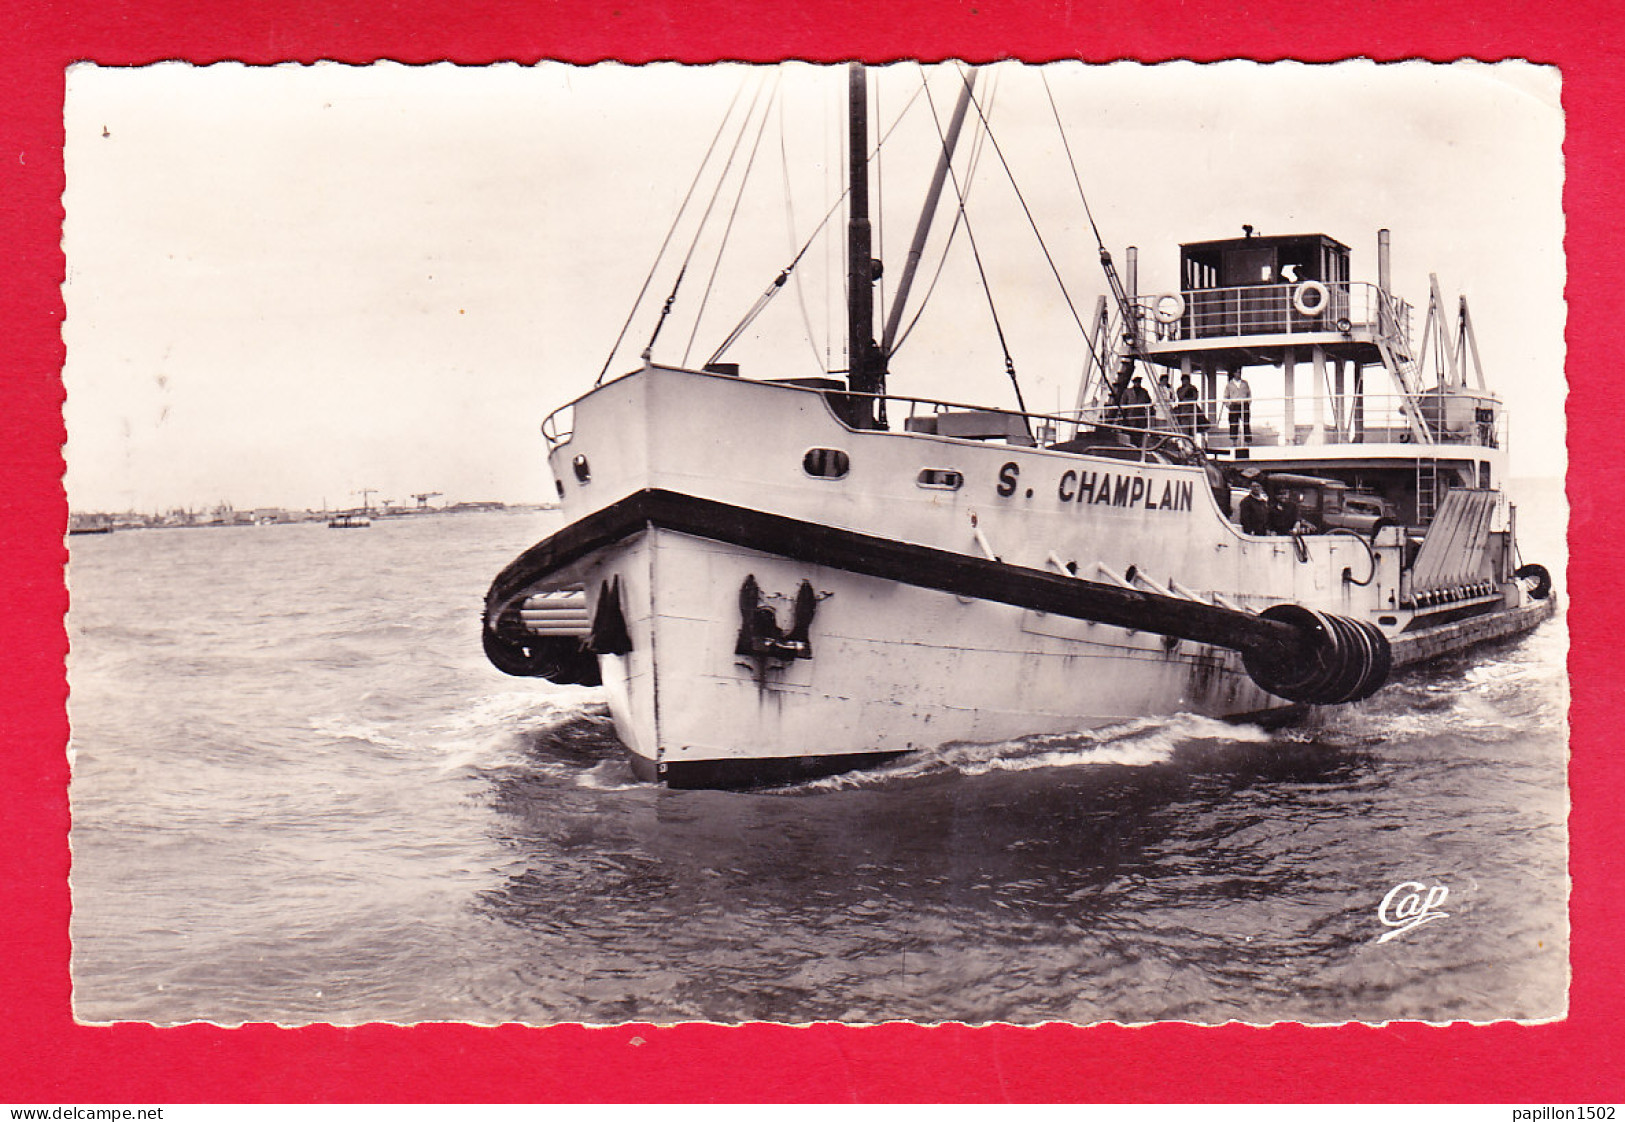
[698, 230]
[1370, 552]
[667, 241]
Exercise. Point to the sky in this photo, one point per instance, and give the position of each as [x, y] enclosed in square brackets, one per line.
[287, 284]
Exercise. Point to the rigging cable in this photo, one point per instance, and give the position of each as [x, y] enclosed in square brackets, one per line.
[1031, 221]
[970, 234]
[700, 229]
[773, 288]
[778, 282]
[1112, 279]
[698, 172]
[790, 235]
[1073, 164]
[830, 129]
[879, 214]
[727, 229]
[1098, 358]
[976, 149]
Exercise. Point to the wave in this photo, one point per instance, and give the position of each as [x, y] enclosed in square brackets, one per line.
[342, 729]
[1141, 742]
[564, 734]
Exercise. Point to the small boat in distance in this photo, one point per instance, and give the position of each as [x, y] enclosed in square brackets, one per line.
[356, 518]
[774, 578]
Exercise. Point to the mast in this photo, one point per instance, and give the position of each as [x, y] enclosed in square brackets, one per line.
[865, 372]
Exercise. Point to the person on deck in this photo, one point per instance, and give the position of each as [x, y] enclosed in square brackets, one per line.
[1238, 401]
[1188, 412]
[1283, 513]
[1255, 511]
[1137, 411]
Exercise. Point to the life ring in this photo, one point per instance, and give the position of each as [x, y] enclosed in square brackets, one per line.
[1169, 308]
[1311, 288]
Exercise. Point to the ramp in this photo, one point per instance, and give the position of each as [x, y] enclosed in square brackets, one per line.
[1456, 549]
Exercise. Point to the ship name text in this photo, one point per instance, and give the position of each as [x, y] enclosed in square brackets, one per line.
[1103, 487]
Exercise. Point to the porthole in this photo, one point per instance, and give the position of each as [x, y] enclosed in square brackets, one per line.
[558, 485]
[826, 463]
[582, 469]
[940, 479]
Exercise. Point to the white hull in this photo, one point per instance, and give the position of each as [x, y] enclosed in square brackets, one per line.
[894, 668]
[897, 665]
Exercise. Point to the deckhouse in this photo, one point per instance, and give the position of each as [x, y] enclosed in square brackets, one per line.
[1340, 383]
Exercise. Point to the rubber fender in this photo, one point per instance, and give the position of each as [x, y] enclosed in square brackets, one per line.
[1353, 667]
[1337, 660]
[558, 658]
[1542, 586]
[1381, 659]
[1293, 672]
[1366, 662]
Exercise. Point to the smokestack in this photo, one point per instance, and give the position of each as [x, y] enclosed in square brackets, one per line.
[1382, 261]
[1131, 275]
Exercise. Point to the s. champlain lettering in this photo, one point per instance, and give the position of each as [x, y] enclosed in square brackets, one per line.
[1084, 488]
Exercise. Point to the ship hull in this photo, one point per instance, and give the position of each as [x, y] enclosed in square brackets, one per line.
[892, 667]
[770, 623]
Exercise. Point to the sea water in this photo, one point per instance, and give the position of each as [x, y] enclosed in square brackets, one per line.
[300, 794]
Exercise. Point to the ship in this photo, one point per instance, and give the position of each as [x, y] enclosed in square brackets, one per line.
[1273, 491]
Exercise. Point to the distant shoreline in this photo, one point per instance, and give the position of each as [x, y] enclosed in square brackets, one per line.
[87, 523]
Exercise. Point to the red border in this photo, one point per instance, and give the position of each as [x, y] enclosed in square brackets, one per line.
[45, 1057]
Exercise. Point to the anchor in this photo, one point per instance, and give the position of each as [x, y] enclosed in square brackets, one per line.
[759, 633]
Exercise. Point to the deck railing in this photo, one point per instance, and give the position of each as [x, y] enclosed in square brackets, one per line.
[1430, 418]
[1364, 419]
[1274, 309]
[559, 425]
